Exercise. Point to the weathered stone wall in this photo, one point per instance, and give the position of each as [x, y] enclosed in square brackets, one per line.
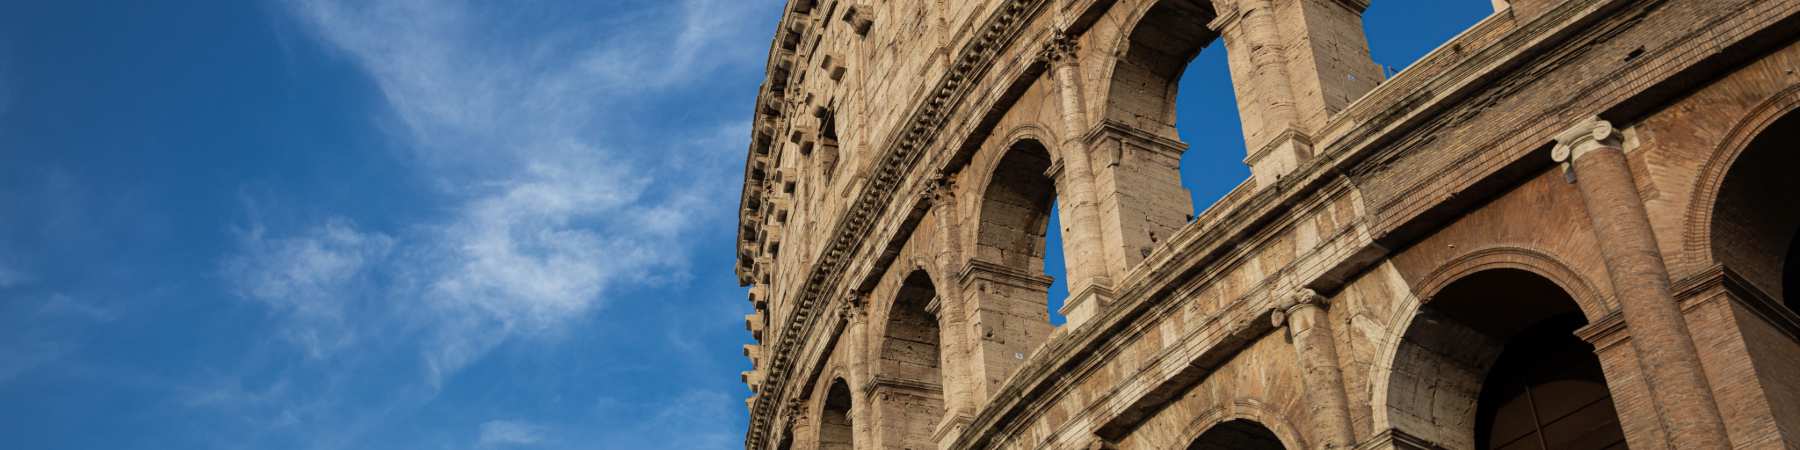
[906, 153]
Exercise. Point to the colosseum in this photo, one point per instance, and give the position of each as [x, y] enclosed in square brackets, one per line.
[1565, 228]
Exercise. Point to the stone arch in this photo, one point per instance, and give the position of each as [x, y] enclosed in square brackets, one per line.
[907, 385]
[1033, 132]
[910, 339]
[1697, 231]
[1450, 363]
[1231, 419]
[1162, 38]
[836, 426]
[1741, 213]
[1013, 207]
[1541, 262]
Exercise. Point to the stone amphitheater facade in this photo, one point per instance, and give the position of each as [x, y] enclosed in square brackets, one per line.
[1568, 227]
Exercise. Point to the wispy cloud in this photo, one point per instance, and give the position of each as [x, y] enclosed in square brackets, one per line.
[559, 204]
[65, 305]
[534, 125]
[506, 432]
[10, 277]
[311, 278]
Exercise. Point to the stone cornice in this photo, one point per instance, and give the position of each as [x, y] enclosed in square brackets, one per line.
[1693, 290]
[882, 381]
[901, 151]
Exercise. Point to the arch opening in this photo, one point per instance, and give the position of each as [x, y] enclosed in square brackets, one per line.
[911, 349]
[1755, 222]
[910, 396]
[1790, 273]
[1237, 434]
[1547, 391]
[836, 432]
[1502, 341]
[1017, 209]
[1175, 81]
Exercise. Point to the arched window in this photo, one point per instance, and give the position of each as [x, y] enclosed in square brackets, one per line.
[1547, 391]
[836, 431]
[1237, 435]
[1755, 217]
[909, 398]
[911, 344]
[1015, 208]
[1790, 273]
[1175, 81]
[1502, 340]
[1016, 211]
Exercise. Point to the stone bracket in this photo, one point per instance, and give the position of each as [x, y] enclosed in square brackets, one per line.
[1689, 291]
[976, 269]
[883, 381]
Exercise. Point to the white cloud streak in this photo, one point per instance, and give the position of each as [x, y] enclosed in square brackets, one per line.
[506, 432]
[557, 207]
[10, 277]
[528, 131]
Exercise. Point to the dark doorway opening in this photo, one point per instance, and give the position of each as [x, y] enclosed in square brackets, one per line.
[1547, 391]
[835, 428]
[1237, 435]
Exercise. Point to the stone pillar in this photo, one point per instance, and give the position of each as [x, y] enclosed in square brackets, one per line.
[954, 347]
[1593, 159]
[856, 328]
[1006, 319]
[801, 427]
[1294, 64]
[1142, 203]
[1090, 281]
[1328, 405]
[1082, 245]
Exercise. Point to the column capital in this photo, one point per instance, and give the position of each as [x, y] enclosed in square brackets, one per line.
[852, 309]
[1061, 48]
[1584, 137]
[940, 189]
[1300, 299]
[796, 412]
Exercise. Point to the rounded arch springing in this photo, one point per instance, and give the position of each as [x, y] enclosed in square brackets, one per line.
[1749, 196]
[836, 429]
[1157, 49]
[1239, 415]
[1448, 351]
[1698, 241]
[1014, 207]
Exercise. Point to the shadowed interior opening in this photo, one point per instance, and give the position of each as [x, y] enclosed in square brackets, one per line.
[1015, 210]
[1790, 273]
[1547, 391]
[910, 350]
[835, 428]
[1237, 435]
[1503, 341]
[1755, 216]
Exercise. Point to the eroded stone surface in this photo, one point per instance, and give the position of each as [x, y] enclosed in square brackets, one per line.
[1358, 291]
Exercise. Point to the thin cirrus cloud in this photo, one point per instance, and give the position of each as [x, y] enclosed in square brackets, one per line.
[531, 131]
[554, 209]
[508, 432]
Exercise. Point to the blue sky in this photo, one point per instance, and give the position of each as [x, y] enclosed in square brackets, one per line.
[419, 224]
